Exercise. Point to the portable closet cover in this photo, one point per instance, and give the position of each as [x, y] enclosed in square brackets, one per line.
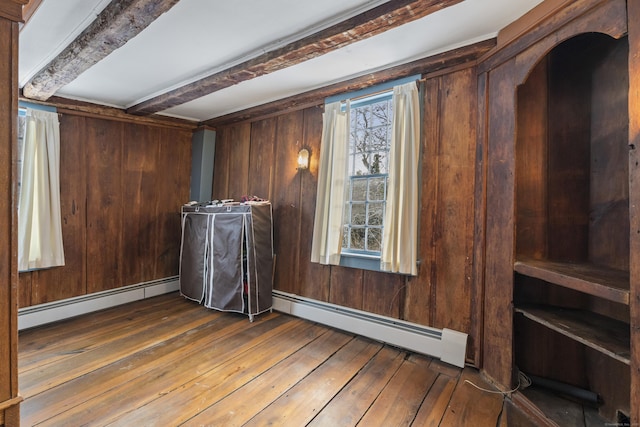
[226, 257]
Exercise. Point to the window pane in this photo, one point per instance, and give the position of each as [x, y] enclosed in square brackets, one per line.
[357, 238]
[358, 214]
[374, 239]
[376, 213]
[345, 237]
[359, 190]
[377, 188]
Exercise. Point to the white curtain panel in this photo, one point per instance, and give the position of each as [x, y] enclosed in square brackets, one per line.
[39, 222]
[332, 176]
[400, 235]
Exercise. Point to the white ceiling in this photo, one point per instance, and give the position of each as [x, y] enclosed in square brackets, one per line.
[197, 38]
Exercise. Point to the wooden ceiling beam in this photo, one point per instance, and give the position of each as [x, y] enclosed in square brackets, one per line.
[367, 24]
[119, 22]
[462, 57]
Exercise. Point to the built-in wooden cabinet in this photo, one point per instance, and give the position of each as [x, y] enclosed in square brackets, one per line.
[571, 284]
[560, 284]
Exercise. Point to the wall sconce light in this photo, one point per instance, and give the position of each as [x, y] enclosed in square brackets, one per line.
[303, 159]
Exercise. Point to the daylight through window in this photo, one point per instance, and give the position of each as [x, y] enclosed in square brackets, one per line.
[369, 145]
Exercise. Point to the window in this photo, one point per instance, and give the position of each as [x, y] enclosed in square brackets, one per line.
[368, 165]
[367, 200]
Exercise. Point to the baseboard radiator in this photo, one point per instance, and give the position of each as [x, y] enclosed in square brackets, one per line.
[37, 315]
[445, 344]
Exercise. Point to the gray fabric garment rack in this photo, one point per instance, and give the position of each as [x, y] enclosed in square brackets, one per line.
[226, 257]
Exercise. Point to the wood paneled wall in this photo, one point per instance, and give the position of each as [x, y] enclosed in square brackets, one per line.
[122, 185]
[259, 158]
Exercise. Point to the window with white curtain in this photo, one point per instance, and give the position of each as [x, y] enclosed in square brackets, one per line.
[367, 201]
[38, 187]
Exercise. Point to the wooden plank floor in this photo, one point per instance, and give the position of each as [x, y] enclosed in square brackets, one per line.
[167, 361]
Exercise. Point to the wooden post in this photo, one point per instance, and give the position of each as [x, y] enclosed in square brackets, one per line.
[633, 15]
[10, 15]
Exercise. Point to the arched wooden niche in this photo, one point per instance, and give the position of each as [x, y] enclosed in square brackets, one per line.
[572, 154]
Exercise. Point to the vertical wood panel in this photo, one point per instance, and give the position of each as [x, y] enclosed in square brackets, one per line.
[418, 303]
[569, 152]
[221, 170]
[239, 144]
[347, 287]
[261, 158]
[139, 182]
[383, 293]
[174, 155]
[531, 147]
[104, 206]
[479, 221]
[633, 10]
[608, 230]
[24, 289]
[286, 196]
[498, 315]
[454, 247]
[313, 277]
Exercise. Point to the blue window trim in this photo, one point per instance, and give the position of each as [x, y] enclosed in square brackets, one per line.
[363, 261]
[372, 89]
[25, 104]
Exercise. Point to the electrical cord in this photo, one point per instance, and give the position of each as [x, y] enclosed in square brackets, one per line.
[523, 382]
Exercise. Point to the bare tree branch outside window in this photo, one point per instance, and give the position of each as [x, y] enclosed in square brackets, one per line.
[370, 141]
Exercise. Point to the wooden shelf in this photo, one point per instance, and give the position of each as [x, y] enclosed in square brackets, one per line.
[601, 333]
[607, 283]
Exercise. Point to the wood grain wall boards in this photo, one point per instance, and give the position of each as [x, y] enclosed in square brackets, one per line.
[609, 243]
[122, 184]
[104, 206]
[447, 209]
[531, 235]
[221, 169]
[261, 158]
[418, 305]
[239, 157]
[498, 310]
[286, 200]
[441, 296]
[313, 278]
[454, 221]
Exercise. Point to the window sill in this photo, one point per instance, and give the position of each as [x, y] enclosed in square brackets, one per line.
[361, 261]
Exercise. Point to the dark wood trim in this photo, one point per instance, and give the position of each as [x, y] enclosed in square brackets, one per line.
[544, 26]
[533, 18]
[462, 57]
[12, 9]
[531, 411]
[633, 16]
[87, 109]
[119, 22]
[29, 9]
[360, 27]
[10, 14]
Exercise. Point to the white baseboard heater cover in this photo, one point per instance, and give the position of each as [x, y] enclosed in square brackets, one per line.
[447, 345]
[29, 317]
